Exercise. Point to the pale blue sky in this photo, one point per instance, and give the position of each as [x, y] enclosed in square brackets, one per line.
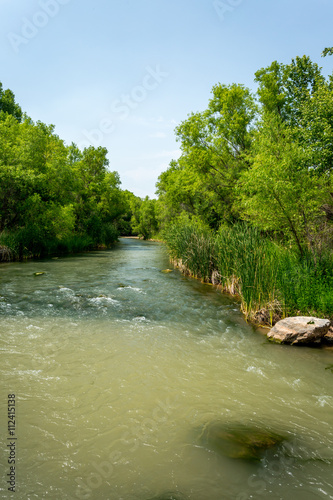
[123, 73]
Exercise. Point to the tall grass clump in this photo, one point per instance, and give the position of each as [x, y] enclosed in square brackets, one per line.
[247, 264]
[307, 286]
[33, 243]
[74, 243]
[27, 242]
[191, 245]
[271, 280]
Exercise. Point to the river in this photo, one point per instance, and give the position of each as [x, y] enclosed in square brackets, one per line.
[116, 366]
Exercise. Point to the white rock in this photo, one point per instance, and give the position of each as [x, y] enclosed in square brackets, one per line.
[299, 330]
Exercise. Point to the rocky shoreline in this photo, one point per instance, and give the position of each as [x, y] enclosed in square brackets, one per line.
[295, 330]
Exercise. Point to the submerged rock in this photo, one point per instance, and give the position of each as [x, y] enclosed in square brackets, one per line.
[166, 271]
[239, 441]
[299, 330]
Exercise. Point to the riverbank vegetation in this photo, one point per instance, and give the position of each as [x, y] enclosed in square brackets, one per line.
[249, 204]
[55, 198]
[271, 280]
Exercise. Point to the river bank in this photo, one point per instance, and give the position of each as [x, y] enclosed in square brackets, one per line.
[73, 245]
[271, 281]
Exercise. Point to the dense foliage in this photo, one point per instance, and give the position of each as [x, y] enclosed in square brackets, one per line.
[264, 160]
[56, 198]
[248, 205]
[270, 280]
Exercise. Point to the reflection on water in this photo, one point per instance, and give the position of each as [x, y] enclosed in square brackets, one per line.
[116, 365]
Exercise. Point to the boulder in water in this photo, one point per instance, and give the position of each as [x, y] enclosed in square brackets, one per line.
[299, 330]
[238, 440]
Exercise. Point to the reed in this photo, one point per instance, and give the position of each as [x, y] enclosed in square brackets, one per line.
[75, 243]
[24, 244]
[247, 265]
[307, 288]
[191, 244]
[272, 281]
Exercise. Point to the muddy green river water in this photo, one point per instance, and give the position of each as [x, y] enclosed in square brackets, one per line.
[113, 367]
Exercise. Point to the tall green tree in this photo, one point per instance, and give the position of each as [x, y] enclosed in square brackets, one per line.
[214, 146]
[144, 217]
[50, 192]
[284, 88]
[279, 192]
[8, 106]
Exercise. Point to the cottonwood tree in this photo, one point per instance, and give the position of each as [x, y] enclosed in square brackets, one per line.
[279, 192]
[284, 88]
[214, 144]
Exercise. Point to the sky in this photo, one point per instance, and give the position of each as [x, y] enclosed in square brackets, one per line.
[123, 74]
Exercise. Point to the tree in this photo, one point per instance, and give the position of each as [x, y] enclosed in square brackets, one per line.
[8, 105]
[214, 145]
[98, 201]
[279, 191]
[315, 131]
[283, 89]
[327, 52]
[49, 191]
[144, 220]
[127, 202]
[267, 160]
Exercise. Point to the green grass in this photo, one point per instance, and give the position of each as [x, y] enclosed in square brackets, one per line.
[266, 276]
[193, 244]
